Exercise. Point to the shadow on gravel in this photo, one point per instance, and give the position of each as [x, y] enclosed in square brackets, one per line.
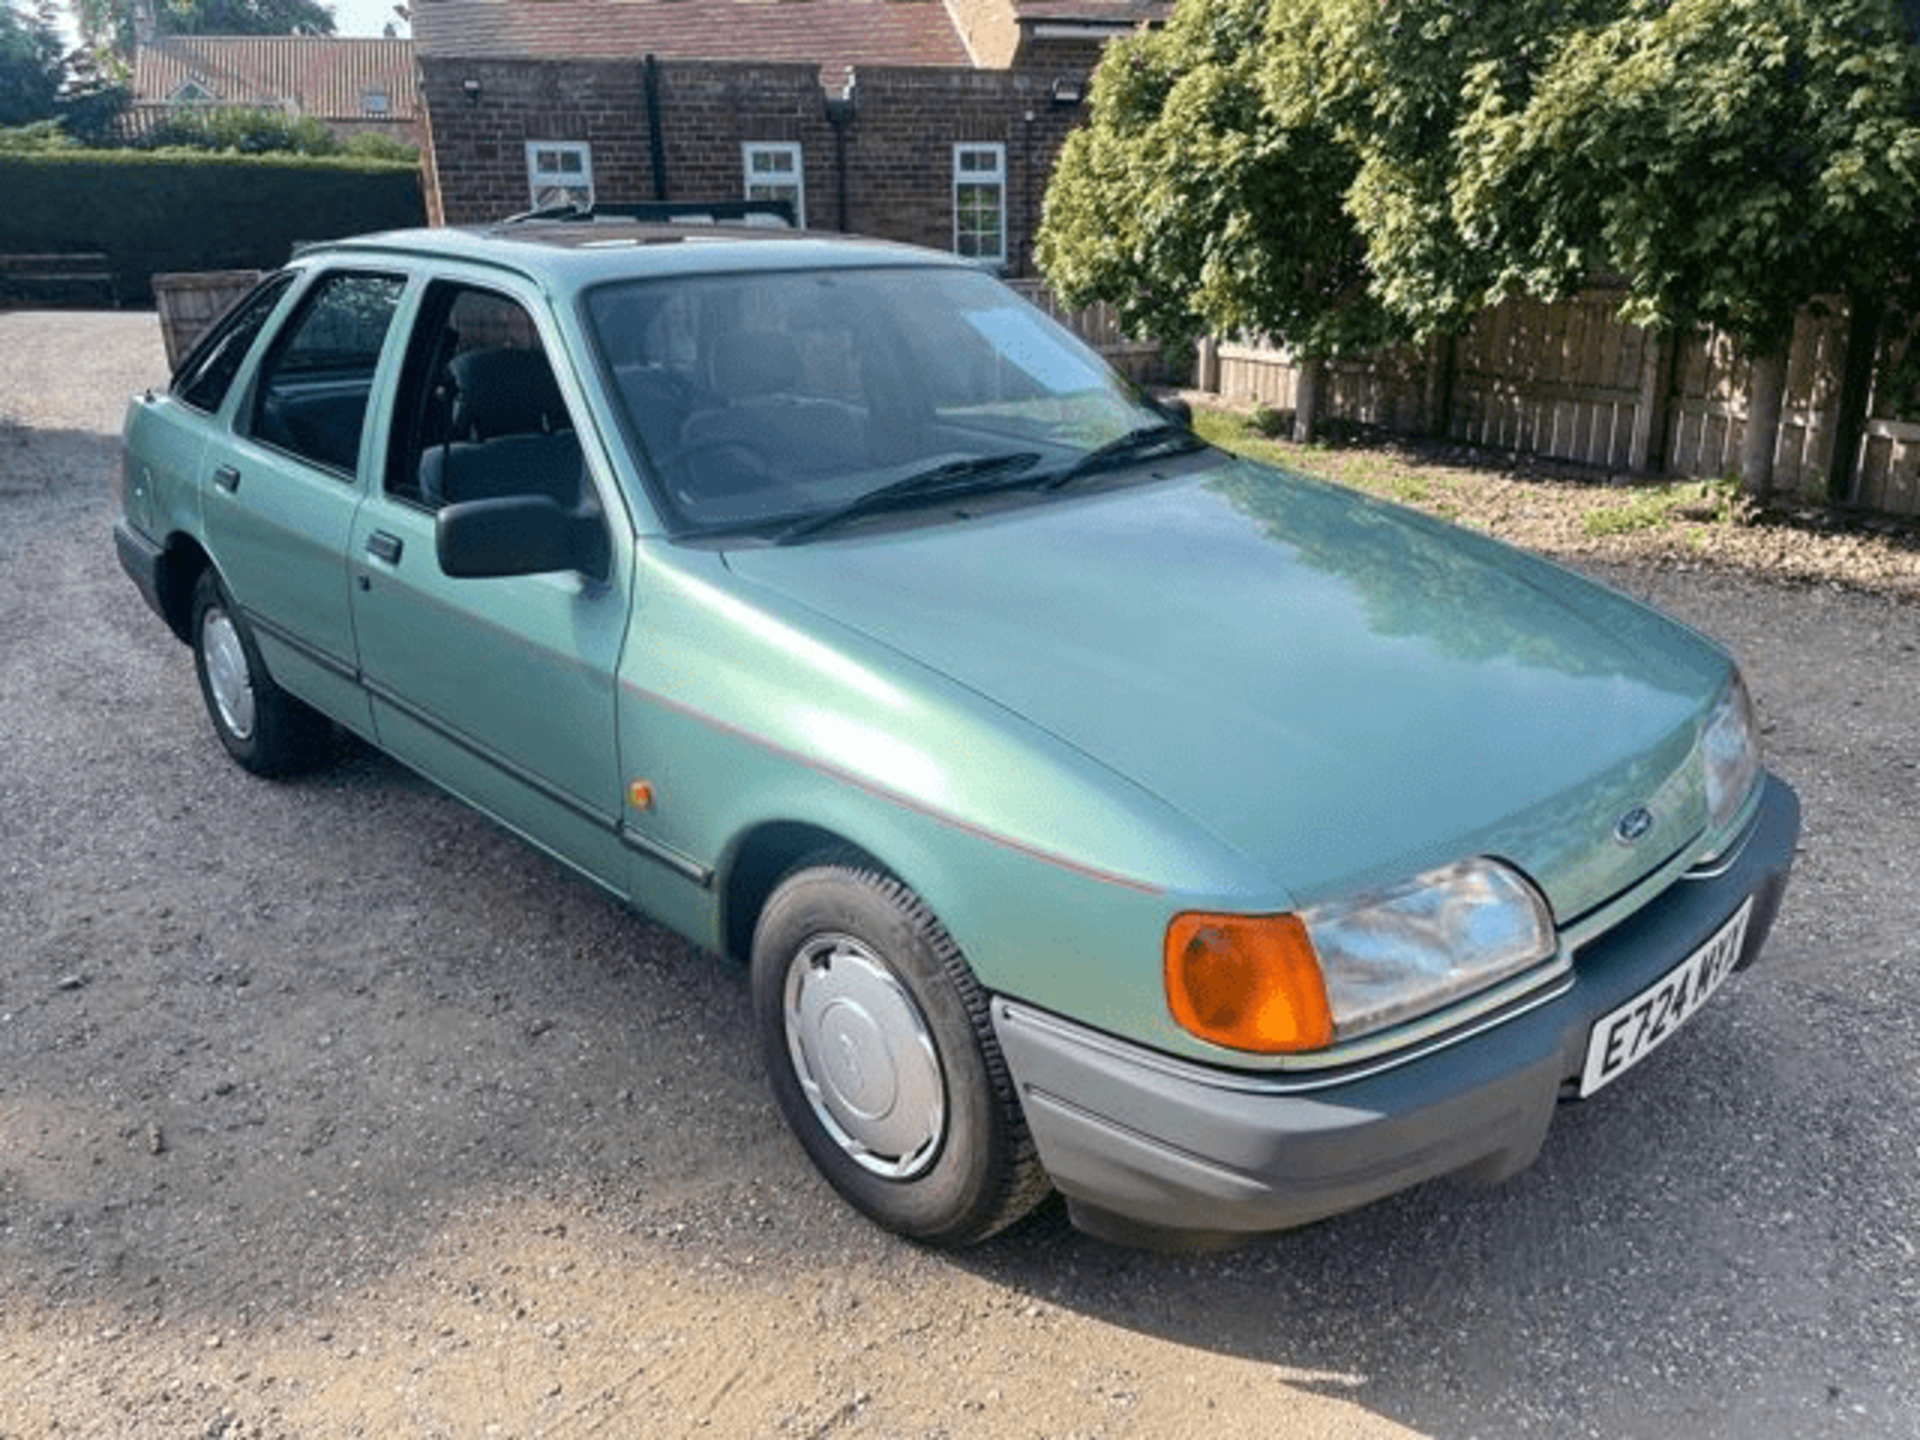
[1683, 1249]
[45, 474]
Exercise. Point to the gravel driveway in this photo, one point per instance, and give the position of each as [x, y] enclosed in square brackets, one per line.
[325, 1109]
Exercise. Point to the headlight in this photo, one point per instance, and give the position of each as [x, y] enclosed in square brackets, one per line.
[1287, 983]
[1731, 750]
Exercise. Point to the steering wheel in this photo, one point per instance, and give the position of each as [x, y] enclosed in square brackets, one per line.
[715, 467]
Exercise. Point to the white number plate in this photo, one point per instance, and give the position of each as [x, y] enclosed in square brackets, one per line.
[1628, 1035]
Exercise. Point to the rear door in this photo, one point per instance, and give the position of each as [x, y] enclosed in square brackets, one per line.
[281, 489]
[170, 432]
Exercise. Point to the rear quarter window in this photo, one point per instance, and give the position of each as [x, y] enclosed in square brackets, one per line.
[207, 373]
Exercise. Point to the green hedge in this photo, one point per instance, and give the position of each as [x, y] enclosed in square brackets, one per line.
[171, 210]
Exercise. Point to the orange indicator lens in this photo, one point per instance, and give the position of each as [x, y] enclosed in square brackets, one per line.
[1249, 982]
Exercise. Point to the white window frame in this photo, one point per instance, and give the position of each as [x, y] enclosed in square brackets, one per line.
[547, 171]
[967, 173]
[786, 181]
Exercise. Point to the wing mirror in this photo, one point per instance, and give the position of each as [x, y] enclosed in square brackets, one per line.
[1176, 409]
[518, 535]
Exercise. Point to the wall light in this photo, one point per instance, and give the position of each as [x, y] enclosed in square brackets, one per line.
[470, 87]
[1067, 92]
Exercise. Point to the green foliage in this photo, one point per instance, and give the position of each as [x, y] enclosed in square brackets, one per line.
[243, 17]
[186, 210]
[107, 25]
[242, 132]
[371, 145]
[1656, 506]
[1190, 204]
[32, 65]
[1731, 159]
[41, 135]
[1396, 80]
[1334, 172]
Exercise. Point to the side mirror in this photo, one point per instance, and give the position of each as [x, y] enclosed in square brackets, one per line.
[1177, 410]
[518, 535]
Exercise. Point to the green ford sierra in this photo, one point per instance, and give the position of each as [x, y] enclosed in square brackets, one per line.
[1093, 811]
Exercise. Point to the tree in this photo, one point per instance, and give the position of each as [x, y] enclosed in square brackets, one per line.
[1732, 160]
[108, 26]
[1395, 80]
[243, 17]
[1190, 204]
[32, 66]
[1286, 168]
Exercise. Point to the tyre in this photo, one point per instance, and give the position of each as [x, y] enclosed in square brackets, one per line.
[264, 728]
[882, 1057]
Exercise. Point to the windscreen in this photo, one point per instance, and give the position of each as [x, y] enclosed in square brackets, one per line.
[760, 399]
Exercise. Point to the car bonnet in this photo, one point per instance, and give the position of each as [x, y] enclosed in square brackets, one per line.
[1343, 691]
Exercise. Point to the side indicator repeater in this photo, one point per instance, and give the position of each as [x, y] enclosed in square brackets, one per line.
[640, 794]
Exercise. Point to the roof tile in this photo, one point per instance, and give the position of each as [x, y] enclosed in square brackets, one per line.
[326, 77]
[833, 34]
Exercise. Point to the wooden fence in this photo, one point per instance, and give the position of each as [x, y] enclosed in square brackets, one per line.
[1098, 325]
[1572, 382]
[190, 303]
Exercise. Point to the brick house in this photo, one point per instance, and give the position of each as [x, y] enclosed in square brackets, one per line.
[917, 120]
[351, 86]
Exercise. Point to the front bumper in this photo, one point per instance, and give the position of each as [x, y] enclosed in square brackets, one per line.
[1148, 1148]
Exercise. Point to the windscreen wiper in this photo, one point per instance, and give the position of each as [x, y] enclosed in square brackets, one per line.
[974, 474]
[1126, 449]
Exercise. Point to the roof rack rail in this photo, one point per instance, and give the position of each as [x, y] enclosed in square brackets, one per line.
[775, 213]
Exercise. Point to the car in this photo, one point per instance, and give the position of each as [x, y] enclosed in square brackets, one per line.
[1091, 811]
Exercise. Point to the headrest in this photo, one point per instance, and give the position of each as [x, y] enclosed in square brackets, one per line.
[505, 392]
[756, 362]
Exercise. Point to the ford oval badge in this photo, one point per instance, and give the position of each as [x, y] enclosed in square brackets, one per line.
[1633, 826]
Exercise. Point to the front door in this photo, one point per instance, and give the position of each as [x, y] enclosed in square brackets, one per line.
[501, 689]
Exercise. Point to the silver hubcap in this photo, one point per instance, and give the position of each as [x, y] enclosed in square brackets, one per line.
[865, 1058]
[228, 679]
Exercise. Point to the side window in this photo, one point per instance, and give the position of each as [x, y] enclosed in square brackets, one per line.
[311, 400]
[481, 415]
[560, 172]
[207, 373]
[774, 172]
[980, 202]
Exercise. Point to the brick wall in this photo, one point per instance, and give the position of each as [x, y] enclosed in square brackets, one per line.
[898, 136]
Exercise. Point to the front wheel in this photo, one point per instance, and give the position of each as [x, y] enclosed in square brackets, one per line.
[264, 728]
[883, 1059]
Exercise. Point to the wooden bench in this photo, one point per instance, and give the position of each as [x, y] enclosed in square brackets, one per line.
[37, 275]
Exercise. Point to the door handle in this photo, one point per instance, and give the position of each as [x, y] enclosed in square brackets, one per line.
[227, 478]
[383, 546]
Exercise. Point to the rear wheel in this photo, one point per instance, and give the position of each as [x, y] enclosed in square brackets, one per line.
[883, 1058]
[264, 728]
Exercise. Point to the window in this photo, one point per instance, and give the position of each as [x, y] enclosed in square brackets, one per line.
[191, 92]
[480, 415]
[980, 202]
[375, 102]
[774, 172]
[315, 382]
[207, 373]
[560, 172]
